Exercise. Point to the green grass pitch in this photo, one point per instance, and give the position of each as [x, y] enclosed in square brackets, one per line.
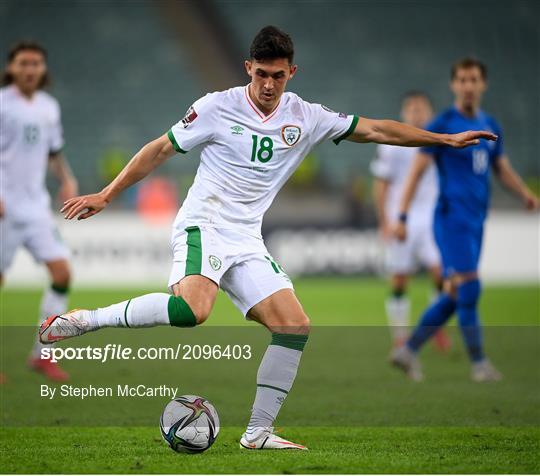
[356, 414]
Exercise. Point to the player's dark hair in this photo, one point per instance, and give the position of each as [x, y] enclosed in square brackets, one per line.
[415, 94]
[25, 45]
[271, 43]
[467, 63]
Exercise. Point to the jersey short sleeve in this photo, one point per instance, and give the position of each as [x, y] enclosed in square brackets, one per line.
[381, 166]
[56, 135]
[198, 125]
[330, 124]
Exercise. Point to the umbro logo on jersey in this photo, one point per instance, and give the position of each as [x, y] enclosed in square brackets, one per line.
[342, 115]
[291, 134]
[190, 116]
[237, 130]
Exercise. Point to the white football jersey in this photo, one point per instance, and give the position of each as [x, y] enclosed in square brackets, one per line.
[393, 164]
[247, 156]
[30, 130]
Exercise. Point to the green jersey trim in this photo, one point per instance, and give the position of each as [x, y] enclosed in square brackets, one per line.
[350, 130]
[170, 135]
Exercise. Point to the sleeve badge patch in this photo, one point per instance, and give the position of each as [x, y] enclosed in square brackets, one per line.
[190, 116]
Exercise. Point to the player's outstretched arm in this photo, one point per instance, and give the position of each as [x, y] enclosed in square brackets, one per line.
[418, 168]
[512, 181]
[143, 162]
[398, 133]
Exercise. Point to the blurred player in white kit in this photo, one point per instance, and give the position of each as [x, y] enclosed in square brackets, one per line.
[31, 141]
[403, 258]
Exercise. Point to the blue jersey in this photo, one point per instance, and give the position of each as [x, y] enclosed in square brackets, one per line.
[464, 174]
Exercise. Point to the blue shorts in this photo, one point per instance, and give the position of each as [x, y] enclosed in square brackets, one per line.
[459, 242]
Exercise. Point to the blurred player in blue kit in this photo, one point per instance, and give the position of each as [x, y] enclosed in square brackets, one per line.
[464, 192]
[391, 169]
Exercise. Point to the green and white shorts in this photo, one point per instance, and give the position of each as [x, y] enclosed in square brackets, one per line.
[238, 263]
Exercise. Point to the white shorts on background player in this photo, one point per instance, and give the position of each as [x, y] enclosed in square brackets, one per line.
[39, 236]
[238, 263]
[392, 164]
[418, 250]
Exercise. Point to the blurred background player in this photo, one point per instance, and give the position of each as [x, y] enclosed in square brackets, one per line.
[31, 140]
[390, 168]
[464, 180]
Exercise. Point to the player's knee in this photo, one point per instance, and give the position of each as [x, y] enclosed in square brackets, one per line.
[398, 292]
[201, 310]
[399, 285]
[305, 323]
[468, 293]
[298, 323]
[61, 276]
[449, 287]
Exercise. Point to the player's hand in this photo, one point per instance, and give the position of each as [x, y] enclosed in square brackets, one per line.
[84, 206]
[2, 211]
[385, 232]
[400, 231]
[68, 189]
[531, 202]
[465, 139]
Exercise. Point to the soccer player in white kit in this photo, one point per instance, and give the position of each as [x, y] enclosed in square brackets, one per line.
[390, 169]
[31, 141]
[253, 137]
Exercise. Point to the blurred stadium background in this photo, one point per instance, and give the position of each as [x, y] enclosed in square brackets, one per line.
[125, 71]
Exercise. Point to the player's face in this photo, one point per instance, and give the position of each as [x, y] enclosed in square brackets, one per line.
[468, 86]
[268, 81]
[416, 111]
[28, 68]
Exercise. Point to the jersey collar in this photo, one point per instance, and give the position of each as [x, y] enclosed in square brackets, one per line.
[262, 115]
[479, 114]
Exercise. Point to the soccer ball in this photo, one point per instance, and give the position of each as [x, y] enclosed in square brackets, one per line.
[189, 424]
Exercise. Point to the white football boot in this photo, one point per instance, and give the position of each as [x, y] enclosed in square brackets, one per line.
[484, 371]
[266, 440]
[71, 324]
[405, 359]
